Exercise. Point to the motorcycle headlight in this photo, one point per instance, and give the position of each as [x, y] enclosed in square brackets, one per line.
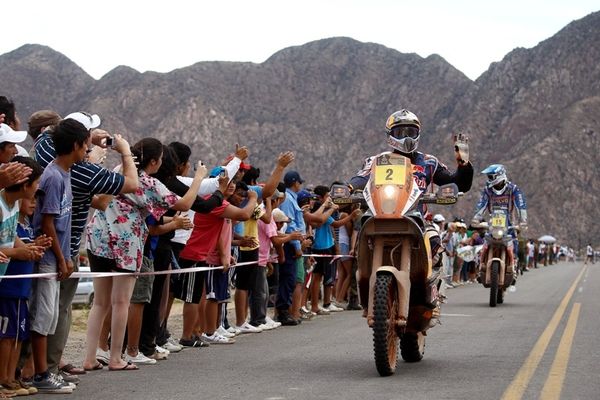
[388, 203]
[498, 233]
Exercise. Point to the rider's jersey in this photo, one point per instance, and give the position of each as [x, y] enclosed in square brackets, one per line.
[511, 200]
[426, 170]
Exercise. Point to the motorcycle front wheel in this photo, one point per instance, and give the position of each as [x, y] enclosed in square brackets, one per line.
[495, 267]
[385, 338]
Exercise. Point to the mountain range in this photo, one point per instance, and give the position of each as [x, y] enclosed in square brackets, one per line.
[537, 111]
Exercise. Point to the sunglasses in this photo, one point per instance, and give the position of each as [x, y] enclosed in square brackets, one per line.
[401, 132]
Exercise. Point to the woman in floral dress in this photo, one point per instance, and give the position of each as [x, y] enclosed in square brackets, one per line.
[115, 242]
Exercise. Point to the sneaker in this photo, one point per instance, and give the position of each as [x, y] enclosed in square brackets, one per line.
[307, 315]
[353, 307]
[512, 288]
[333, 308]
[234, 330]
[102, 356]
[59, 379]
[247, 328]
[172, 347]
[162, 350]
[340, 304]
[265, 327]
[139, 358]
[286, 320]
[303, 309]
[224, 332]
[215, 338]
[274, 324]
[193, 342]
[322, 311]
[50, 385]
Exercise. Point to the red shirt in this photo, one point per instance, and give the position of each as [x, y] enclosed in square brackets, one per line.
[204, 238]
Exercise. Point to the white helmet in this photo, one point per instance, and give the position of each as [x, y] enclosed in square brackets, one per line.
[403, 130]
[497, 179]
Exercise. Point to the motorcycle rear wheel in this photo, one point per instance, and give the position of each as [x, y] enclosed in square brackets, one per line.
[412, 346]
[385, 338]
[500, 296]
[494, 283]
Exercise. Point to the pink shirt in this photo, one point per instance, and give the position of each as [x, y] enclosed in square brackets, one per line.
[224, 244]
[265, 233]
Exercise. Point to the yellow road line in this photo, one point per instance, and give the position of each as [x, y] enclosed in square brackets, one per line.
[519, 384]
[556, 377]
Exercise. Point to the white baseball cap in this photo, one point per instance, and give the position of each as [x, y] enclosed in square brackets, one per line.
[90, 121]
[8, 135]
[21, 151]
[279, 216]
[438, 218]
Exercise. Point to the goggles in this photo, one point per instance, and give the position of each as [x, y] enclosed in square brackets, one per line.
[401, 132]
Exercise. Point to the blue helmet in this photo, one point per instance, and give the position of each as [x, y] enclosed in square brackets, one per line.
[496, 178]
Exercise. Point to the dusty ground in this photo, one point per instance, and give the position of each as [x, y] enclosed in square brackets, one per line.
[75, 345]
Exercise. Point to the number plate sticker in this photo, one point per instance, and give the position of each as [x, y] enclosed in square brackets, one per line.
[499, 220]
[390, 174]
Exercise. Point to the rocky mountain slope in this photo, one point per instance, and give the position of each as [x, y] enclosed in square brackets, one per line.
[535, 111]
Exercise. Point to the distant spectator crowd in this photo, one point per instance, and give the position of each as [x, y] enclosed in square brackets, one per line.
[284, 252]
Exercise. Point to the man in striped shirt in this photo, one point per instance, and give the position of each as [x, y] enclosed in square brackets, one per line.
[87, 181]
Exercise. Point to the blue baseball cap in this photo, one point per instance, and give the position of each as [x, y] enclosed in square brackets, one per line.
[292, 177]
[303, 196]
[215, 172]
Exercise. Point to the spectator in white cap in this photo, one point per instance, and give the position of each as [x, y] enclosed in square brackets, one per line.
[8, 140]
[90, 121]
[438, 220]
[11, 173]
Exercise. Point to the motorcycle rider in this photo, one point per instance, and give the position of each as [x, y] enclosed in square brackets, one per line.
[501, 194]
[403, 132]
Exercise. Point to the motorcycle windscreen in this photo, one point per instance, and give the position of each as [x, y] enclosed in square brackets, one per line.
[390, 185]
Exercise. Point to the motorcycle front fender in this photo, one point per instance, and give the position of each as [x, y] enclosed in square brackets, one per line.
[403, 292]
[501, 271]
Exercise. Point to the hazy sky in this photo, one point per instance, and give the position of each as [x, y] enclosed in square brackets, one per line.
[161, 36]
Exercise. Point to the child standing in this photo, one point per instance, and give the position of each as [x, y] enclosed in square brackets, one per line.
[53, 218]
[17, 202]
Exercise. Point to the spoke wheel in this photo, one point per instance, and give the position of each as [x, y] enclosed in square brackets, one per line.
[385, 338]
[494, 283]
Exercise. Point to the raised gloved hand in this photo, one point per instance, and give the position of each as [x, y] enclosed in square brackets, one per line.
[461, 149]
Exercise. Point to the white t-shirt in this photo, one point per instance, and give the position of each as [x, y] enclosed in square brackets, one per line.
[207, 187]
[590, 250]
[9, 217]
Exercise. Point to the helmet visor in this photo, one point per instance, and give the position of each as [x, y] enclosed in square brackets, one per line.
[491, 177]
[401, 132]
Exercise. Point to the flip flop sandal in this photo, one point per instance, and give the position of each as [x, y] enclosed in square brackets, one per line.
[128, 367]
[98, 366]
[73, 370]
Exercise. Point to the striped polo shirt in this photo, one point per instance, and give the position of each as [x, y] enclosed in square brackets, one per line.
[87, 180]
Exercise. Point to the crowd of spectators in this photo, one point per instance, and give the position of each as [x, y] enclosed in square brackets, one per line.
[282, 251]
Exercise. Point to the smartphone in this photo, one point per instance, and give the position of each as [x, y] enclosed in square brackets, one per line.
[109, 142]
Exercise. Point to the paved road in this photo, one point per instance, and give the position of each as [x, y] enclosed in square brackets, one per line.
[540, 344]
